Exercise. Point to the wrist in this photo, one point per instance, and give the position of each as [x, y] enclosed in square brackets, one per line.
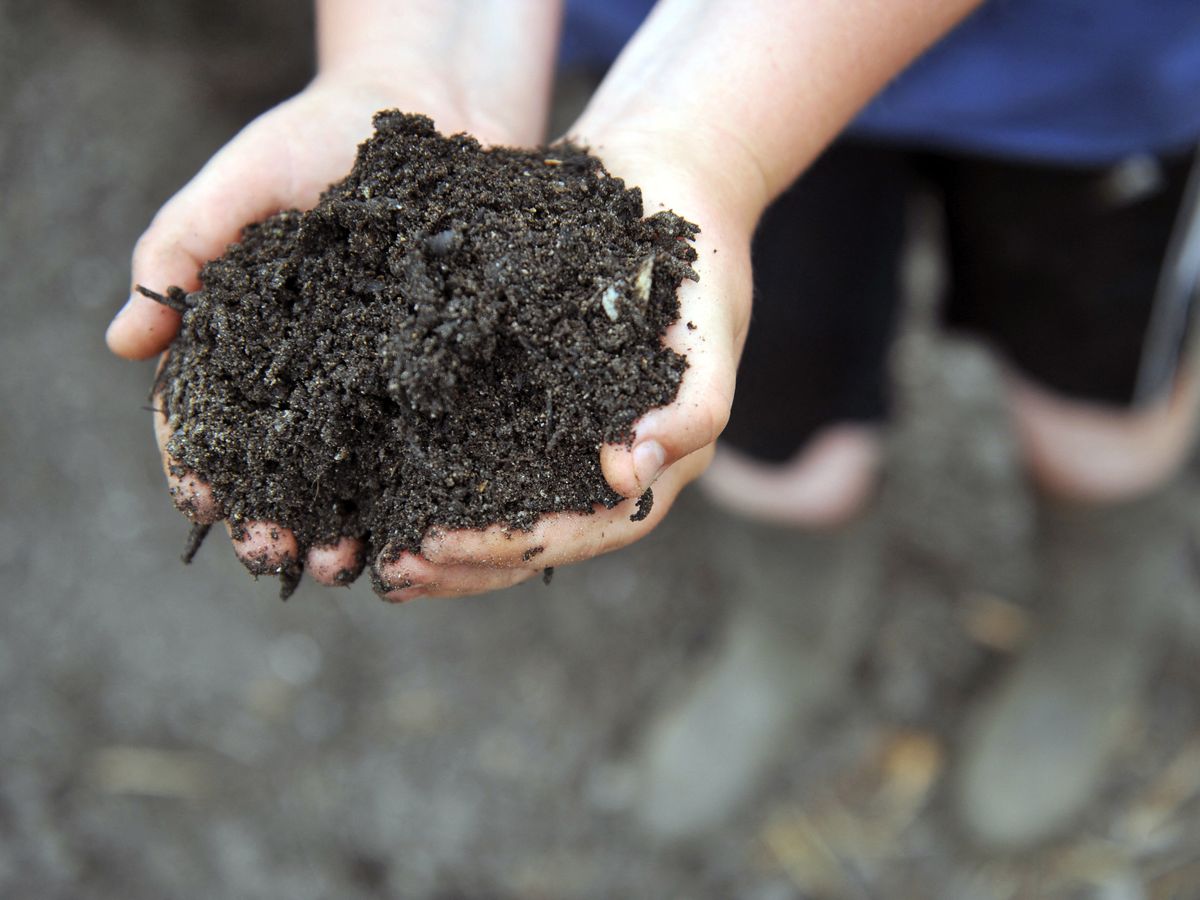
[482, 66]
[417, 91]
[695, 168]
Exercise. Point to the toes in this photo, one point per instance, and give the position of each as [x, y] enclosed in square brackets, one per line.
[264, 547]
[335, 564]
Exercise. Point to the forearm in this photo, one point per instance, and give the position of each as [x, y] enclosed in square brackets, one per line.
[749, 93]
[491, 59]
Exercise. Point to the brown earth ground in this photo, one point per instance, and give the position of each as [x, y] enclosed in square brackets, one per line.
[183, 734]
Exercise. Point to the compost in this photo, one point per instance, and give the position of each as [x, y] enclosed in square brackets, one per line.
[446, 339]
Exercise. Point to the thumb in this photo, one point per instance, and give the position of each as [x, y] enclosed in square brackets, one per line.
[243, 183]
[692, 421]
[710, 332]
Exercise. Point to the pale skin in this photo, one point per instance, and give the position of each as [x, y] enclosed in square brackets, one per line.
[712, 110]
[1074, 451]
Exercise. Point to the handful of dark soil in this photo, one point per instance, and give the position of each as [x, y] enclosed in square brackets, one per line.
[446, 339]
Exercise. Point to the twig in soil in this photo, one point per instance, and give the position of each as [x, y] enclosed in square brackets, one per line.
[194, 539]
[175, 298]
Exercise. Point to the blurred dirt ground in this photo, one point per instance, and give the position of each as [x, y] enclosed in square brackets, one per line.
[180, 733]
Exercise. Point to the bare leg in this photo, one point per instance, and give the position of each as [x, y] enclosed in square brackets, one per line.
[800, 616]
[1092, 454]
[1113, 559]
[832, 479]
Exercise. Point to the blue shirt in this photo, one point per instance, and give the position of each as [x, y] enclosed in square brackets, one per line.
[1064, 80]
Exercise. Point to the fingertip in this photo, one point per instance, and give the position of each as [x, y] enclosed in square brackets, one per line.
[631, 471]
[666, 435]
[190, 493]
[337, 564]
[396, 576]
[649, 461]
[399, 594]
[264, 547]
[192, 496]
[141, 329]
[617, 466]
[114, 334]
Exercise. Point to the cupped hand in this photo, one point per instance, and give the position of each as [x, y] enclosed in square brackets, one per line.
[284, 159]
[671, 445]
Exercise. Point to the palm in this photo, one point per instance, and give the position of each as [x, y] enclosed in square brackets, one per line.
[285, 159]
[717, 309]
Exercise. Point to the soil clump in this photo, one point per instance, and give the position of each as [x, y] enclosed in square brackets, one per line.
[446, 339]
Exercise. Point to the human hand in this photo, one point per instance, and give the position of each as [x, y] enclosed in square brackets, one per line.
[712, 109]
[283, 159]
[672, 445]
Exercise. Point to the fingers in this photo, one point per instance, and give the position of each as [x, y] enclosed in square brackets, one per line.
[672, 445]
[668, 434]
[335, 564]
[408, 576]
[699, 412]
[190, 494]
[281, 160]
[264, 547]
[565, 538]
[714, 314]
[243, 183]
